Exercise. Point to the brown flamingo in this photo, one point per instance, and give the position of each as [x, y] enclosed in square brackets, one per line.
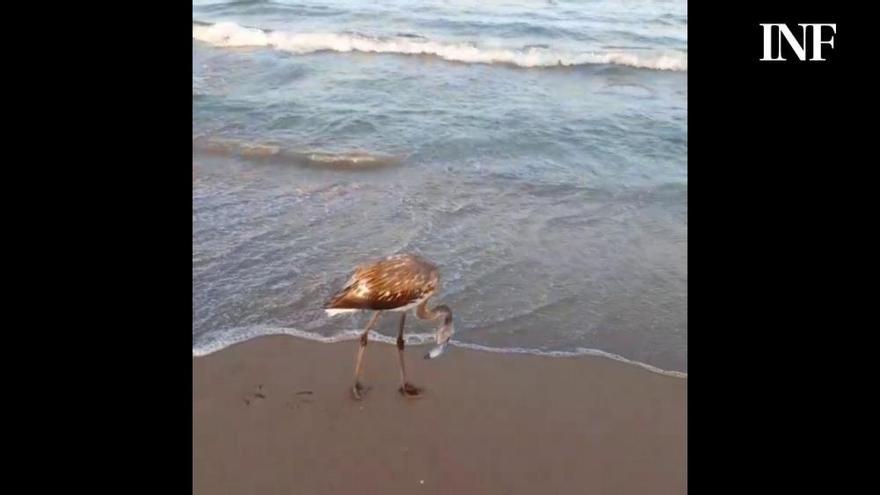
[397, 283]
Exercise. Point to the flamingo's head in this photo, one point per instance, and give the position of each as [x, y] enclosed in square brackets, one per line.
[443, 334]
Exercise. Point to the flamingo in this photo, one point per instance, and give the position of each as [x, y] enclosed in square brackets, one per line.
[397, 283]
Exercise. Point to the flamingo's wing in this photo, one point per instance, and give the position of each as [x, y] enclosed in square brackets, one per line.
[394, 282]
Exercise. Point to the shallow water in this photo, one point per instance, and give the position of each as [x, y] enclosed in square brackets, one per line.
[554, 198]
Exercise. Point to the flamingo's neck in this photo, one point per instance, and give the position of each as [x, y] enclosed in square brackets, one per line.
[442, 310]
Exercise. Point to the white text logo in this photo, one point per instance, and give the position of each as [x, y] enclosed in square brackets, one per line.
[812, 32]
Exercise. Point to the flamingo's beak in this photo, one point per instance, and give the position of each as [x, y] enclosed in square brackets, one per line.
[436, 351]
[443, 335]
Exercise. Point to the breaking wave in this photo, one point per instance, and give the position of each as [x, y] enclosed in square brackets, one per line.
[230, 34]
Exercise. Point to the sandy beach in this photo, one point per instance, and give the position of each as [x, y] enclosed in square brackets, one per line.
[275, 415]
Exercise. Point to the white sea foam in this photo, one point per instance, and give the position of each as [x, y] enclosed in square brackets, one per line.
[242, 334]
[229, 34]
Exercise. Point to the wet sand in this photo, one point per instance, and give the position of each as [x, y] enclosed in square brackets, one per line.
[274, 415]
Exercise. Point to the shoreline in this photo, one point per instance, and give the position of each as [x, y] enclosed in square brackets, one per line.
[273, 414]
[426, 339]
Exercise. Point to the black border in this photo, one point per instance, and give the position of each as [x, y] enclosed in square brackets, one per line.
[771, 226]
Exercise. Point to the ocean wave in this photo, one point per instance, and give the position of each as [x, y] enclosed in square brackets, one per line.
[264, 152]
[242, 334]
[229, 34]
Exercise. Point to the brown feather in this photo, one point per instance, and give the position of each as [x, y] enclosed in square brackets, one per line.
[391, 283]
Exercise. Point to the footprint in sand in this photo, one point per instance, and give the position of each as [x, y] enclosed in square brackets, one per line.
[301, 397]
[258, 395]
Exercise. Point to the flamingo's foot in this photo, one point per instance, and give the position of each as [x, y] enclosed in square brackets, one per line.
[410, 390]
[358, 391]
